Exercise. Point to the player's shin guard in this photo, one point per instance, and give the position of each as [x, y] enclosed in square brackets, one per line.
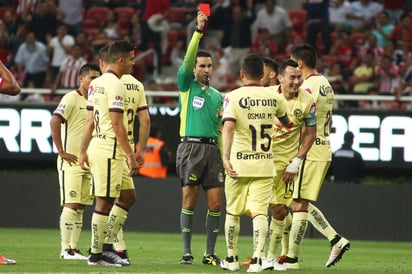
[99, 228]
[117, 218]
[232, 228]
[260, 228]
[77, 229]
[318, 220]
[297, 233]
[67, 223]
[276, 231]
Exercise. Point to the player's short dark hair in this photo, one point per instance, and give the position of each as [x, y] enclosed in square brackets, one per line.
[103, 53]
[252, 66]
[285, 64]
[119, 48]
[305, 53]
[271, 63]
[84, 70]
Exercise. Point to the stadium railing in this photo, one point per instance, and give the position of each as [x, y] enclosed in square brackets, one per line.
[151, 94]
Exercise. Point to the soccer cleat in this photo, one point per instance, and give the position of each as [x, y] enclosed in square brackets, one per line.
[267, 263]
[211, 259]
[290, 263]
[230, 263]
[72, 254]
[124, 256]
[79, 255]
[112, 257]
[99, 259]
[337, 251]
[281, 259]
[4, 260]
[278, 267]
[255, 265]
[186, 259]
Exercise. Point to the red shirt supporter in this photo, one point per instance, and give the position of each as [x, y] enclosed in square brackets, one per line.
[402, 32]
[153, 7]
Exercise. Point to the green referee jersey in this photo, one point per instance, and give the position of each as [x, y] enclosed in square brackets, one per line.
[200, 111]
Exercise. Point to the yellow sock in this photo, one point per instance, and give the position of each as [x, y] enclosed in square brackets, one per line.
[77, 229]
[318, 220]
[276, 231]
[232, 228]
[260, 228]
[286, 233]
[119, 242]
[67, 220]
[297, 232]
[99, 229]
[117, 218]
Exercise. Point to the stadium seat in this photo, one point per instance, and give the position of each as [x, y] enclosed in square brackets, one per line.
[91, 32]
[124, 14]
[177, 14]
[298, 18]
[97, 13]
[89, 23]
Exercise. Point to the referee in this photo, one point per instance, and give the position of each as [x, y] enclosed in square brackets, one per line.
[198, 160]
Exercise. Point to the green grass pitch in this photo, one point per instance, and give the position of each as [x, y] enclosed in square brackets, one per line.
[37, 251]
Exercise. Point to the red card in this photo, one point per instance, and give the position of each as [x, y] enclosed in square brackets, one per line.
[205, 8]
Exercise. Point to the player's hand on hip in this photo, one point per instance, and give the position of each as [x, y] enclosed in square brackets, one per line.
[70, 158]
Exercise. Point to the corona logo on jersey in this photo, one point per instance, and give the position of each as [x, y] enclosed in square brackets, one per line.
[324, 90]
[130, 86]
[247, 102]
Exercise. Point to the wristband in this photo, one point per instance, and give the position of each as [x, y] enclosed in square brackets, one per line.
[199, 30]
[293, 167]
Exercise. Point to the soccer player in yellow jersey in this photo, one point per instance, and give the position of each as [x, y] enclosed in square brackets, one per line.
[314, 167]
[248, 125]
[289, 148]
[136, 106]
[109, 153]
[74, 181]
[8, 85]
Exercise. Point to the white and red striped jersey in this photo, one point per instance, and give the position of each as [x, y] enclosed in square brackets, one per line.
[70, 71]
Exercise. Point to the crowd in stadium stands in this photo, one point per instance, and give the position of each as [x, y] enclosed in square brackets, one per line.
[364, 45]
